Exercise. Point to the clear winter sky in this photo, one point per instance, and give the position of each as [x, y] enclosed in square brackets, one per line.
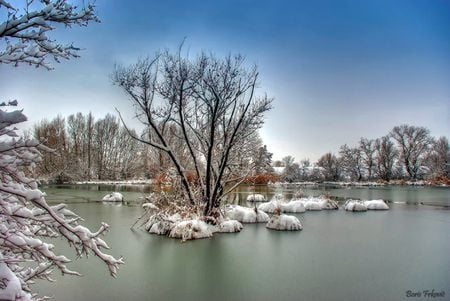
[338, 70]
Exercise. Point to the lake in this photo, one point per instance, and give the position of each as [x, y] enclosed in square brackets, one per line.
[376, 255]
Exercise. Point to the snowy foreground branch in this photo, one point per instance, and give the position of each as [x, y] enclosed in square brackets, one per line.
[23, 34]
[26, 220]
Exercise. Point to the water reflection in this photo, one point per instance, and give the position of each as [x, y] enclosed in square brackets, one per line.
[413, 195]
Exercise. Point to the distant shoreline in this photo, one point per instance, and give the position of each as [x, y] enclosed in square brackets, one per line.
[303, 183]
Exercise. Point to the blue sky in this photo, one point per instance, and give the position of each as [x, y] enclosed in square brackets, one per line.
[338, 70]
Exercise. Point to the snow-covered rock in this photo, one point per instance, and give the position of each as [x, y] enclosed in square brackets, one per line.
[245, 214]
[355, 206]
[376, 205]
[113, 197]
[295, 206]
[191, 229]
[284, 223]
[255, 197]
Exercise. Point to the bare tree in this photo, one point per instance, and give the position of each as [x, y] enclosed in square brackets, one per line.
[413, 143]
[438, 159]
[367, 147]
[331, 167]
[213, 105]
[352, 161]
[385, 156]
[288, 160]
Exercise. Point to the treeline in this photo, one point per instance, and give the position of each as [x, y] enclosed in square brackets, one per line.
[406, 152]
[85, 148]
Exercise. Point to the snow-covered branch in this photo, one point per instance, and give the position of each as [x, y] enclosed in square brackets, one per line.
[25, 32]
[26, 220]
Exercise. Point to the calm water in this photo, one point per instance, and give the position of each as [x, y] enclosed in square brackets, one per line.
[338, 256]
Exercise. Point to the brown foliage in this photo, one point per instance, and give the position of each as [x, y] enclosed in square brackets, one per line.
[263, 178]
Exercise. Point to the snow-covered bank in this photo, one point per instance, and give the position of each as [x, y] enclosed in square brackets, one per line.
[117, 182]
[113, 197]
[282, 222]
[245, 214]
[363, 184]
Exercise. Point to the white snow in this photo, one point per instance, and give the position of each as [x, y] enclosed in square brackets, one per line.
[12, 289]
[355, 206]
[255, 197]
[327, 204]
[376, 205]
[312, 205]
[284, 223]
[113, 197]
[294, 206]
[227, 226]
[316, 203]
[191, 229]
[245, 214]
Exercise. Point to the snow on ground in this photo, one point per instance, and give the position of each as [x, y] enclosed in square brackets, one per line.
[288, 207]
[245, 214]
[284, 223]
[113, 197]
[255, 197]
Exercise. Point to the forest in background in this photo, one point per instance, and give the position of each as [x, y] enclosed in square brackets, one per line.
[86, 149]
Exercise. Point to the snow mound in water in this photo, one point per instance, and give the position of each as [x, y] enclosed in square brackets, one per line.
[161, 225]
[113, 197]
[256, 198]
[317, 204]
[327, 204]
[228, 226]
[313, 205]
[284, 223]
[295, 206]
[245, 214]
[355, 206]
[269, 207]
[376, 205]
[191, 229]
